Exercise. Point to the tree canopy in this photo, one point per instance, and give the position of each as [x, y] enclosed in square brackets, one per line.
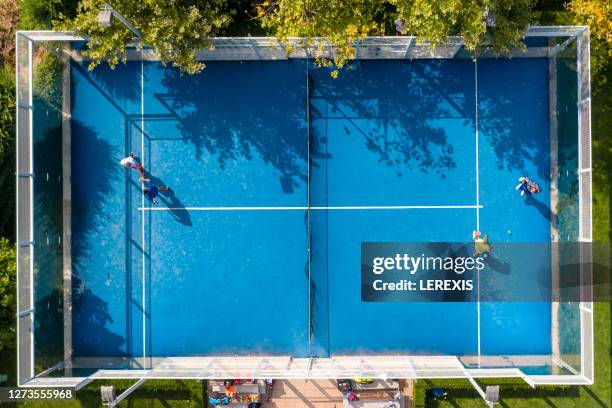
[597, 14]
[435, 20]
[176, 28]
[173, 28]
[344, 21]
[341, 22]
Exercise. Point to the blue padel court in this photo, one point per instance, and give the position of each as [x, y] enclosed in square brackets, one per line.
[278, 173]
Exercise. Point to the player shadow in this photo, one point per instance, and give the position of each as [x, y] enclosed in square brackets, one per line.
[450, 250]
[497, 265]
[444, 249]
[542, 208]
[175, 207]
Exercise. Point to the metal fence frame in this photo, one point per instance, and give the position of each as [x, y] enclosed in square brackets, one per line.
[25, 209]
[262, 48]
[585, 171]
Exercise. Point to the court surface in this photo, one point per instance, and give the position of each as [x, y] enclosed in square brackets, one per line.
[278, 173]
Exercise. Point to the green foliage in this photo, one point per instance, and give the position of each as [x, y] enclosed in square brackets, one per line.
[462, 393]
[597, 14]
[174, 29]
[153, 393]
[7, 108]
[419, 392]
[7, 151]
[9, 18]
[342, 22]
[507, 383]
[243, 24]
[48, 80]
[40, 14]
[434, 21]
[7, 294]
[601, 125]
[191, 386]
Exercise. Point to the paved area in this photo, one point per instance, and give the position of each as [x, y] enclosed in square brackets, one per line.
[316, 393]
[301, 393]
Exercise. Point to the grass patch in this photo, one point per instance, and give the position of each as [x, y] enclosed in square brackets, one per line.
[151, 394]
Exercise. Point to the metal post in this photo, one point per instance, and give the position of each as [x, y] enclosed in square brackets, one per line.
[31, 203]
[108, 12]
[126, 393]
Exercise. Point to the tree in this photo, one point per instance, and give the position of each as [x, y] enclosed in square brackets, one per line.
[7, 150]
[597, 14]
[7, 293]
[174, 29]
[40, 14]
[345, 21]
[342, 22]
[435, 20]
[9, 17]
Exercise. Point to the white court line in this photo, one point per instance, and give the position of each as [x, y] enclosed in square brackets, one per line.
[478, 312]
[477, 197]
[308, 224]
[476, 114]
[142, 204]
[355, 207]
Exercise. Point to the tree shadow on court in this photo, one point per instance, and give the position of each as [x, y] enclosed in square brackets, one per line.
[236, 111]
[48, 229]
[120, 84]
[175, 207]
[90, 322]
[94, 168]
[511, 112]
[542, 208]
[49, 329]
[397, 108]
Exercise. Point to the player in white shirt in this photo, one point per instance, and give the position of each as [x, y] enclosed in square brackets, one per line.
[131, 163]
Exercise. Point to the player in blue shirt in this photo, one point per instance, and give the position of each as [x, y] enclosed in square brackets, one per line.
[151, 191]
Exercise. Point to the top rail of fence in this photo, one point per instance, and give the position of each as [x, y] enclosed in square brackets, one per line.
[379, 47]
